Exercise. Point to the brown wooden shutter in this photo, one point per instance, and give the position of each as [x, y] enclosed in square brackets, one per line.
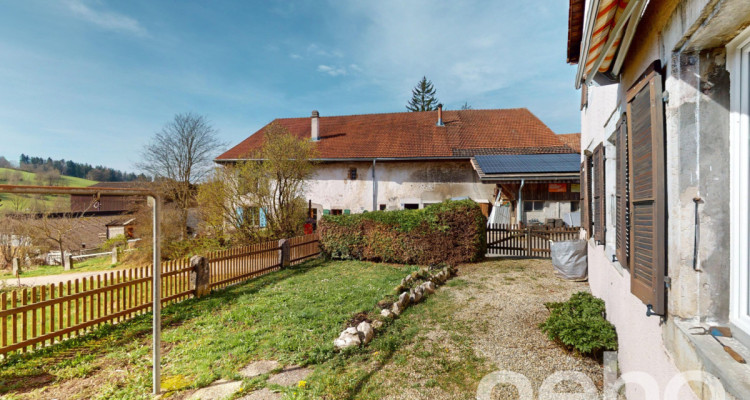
[622, 229]
[586, 195]
[600, 194]
[645, 112]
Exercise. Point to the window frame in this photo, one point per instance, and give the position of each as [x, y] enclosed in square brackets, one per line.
[738, 64]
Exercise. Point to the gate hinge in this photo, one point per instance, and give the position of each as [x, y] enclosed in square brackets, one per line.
[650, 311]
[668, 282]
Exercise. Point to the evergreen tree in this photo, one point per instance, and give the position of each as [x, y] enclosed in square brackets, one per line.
[423, 97]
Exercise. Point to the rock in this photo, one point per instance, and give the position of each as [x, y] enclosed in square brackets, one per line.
[377, 324]
[290, 376]
[218, 390]
[384, 304]
[403, 300]
[365, 332]
[429, 287]
[396, 309]
[348, 338]
[387, 313]
[257, 368]
[415, 295]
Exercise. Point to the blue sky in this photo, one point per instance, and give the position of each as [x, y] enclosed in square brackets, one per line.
[91, 81]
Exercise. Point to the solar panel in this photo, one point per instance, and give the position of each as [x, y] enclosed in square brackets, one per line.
[529, 163]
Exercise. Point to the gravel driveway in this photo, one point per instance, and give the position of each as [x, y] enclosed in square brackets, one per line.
[505, 300]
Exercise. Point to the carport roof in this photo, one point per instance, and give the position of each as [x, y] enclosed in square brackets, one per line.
[529, 163]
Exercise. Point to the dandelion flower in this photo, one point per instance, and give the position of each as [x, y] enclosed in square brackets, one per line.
[302, 384]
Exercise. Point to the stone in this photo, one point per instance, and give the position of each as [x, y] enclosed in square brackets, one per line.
[263, 394]
[67, 262]
[384, 304]
[290, 376]
[257, 368]
[218, 390]
[366, 332]
[396, 309]
[387, 313]
[200, 276]
[284, 253]
[114, 255]
[415, 296]
[377, 324]
[403, 300]
[15, 266]
[348, 338]
[429, 287]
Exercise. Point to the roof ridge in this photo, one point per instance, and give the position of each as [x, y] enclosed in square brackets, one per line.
[409, 112]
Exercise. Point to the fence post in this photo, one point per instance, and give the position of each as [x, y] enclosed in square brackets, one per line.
[284, 253]
[15, 266]
[67, 262]
[200, 276]
[114, 255]
[528, 241]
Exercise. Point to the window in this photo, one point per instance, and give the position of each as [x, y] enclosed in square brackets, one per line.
[599, 197]
[738, 61]
[352, 173]
[529, 206]
[411, 206]
[337, 211]
[647, 190]
[622, 208]
[575, 206]
[382, 207]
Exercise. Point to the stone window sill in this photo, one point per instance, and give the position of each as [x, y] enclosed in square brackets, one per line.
[733, 375]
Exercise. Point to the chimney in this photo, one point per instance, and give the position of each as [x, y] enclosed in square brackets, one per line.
[440, 115]
[314, 131]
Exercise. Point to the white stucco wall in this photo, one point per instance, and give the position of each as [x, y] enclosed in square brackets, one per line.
[396, 183]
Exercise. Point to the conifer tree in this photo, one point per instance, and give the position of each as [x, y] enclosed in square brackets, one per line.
[423, 97]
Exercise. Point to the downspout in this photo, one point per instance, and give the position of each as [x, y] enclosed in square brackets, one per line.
[519, 202]
[374, 188]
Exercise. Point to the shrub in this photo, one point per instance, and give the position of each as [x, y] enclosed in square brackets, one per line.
[579, 323]
[450, 232]
[117, 241]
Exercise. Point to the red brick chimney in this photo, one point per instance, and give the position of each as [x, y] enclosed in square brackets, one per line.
[440, 115]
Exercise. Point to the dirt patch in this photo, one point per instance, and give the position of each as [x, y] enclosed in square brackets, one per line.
[357, 318]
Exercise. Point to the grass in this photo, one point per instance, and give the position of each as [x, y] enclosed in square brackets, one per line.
[28, 178]
[91, 264]
[292, 316]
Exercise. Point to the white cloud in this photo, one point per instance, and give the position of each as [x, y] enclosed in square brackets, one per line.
[105, 19]
[469, 49]
[318, 50]
[330, 70]
[295, 56]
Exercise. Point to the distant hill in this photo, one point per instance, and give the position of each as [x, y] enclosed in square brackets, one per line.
[10, 176]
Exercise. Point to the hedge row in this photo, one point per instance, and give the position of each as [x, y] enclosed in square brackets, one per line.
[451, 232]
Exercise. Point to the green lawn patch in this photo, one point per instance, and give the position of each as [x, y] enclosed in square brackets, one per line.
[28, 178]
[291, 315]
[92, 264]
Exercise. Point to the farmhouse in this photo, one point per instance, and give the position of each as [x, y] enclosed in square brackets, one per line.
[412, 159]
[664, 172]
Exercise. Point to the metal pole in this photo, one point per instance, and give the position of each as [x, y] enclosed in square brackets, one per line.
[156, 288]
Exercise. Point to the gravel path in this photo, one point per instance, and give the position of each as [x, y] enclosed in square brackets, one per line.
[504, 299]
[47, 279]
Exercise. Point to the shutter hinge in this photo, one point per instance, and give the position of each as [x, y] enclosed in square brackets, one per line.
[668, 282]
[650, 311]
[665, 96]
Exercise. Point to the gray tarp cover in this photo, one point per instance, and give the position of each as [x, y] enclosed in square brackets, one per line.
[570, 260]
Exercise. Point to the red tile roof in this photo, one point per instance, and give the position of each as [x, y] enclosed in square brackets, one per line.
[572, 140]
[415, 135]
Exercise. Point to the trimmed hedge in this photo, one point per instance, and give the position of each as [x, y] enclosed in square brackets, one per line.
[449, 233]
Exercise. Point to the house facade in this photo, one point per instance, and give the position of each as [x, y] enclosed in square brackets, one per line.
[407, 160]
[664, 176]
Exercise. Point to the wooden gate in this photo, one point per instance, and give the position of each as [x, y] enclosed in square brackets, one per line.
[530, 241]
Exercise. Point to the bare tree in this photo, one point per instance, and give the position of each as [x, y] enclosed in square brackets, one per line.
[14, 239]
[58, 229]
[237, 195]
[179, 156]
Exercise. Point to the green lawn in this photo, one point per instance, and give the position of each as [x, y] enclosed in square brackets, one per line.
[291, 315]
[27, 178]
[92, 264]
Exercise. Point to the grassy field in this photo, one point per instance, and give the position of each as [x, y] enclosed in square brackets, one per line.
[28, 178]
[92, 264]
[291, 315]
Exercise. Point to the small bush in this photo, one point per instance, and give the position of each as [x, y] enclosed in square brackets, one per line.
[450, 232]
[117, 241]
[579, 323]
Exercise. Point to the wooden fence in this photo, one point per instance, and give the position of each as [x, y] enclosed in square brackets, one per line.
[32, 318]
[531, 241]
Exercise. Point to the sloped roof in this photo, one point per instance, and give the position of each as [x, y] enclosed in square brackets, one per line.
[573, 140]
[415, 135]
[575, 30]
